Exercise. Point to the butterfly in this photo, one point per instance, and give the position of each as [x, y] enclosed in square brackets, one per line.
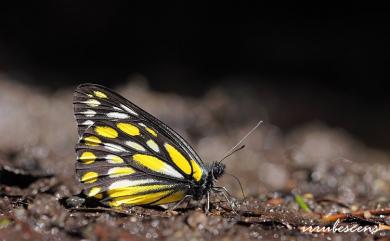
[126, 156]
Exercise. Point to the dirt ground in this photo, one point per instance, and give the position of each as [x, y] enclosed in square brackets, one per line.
[309, 175]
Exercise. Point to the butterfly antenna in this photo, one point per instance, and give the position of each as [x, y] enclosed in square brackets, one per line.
[234, 148]
[231, 153]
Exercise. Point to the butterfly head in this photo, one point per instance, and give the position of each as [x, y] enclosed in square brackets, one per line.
[217, 170]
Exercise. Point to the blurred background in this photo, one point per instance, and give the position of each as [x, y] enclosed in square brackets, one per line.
[317, 77]
[320, 64]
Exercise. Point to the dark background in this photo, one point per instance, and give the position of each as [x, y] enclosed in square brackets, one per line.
[338, 56]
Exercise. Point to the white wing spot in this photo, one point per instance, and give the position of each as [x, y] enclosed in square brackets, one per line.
[135, 145]
[170, 171]
[129, 183]
[117, 115]
[87, 123]
[142, 124]
[128, 109]
[120, 171]
[153, 145]
[114, 147]
[92, 102]
[89, 113]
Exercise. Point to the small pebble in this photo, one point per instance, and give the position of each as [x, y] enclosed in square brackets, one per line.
[4, 222]
[75, 201]
[196, 219]
[275, 201]
[367, 214]
[20, 213]
[308, 196]
[354, 208]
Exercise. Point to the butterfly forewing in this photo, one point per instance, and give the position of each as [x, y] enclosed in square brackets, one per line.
[127, 156]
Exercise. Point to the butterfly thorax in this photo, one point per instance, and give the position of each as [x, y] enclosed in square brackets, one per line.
[215, 170]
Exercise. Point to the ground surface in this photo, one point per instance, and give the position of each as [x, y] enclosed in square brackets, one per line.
[332, 171]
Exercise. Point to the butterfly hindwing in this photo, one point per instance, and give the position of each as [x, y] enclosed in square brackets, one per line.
[127, 156]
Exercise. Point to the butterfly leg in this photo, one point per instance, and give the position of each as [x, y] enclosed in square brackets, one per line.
[227, 196]
[208, 203]
[185, 198]
[222, 189]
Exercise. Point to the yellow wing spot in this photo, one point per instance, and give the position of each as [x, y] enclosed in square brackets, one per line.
[180, 161]
[174, 197]
[92, 102]
[157, 165]
[94, 191]
[134, 190]
[150, 162]
[197, 170]
[89, 177]
[151, 131]
[138, 199]
[106, 131]
[114, 159]
[98, 196]
[128, 128]
[100, 94]
[87, 157]
[120, 171]
[92, 141]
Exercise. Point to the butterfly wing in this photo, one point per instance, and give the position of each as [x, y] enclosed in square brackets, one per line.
[127, 156]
